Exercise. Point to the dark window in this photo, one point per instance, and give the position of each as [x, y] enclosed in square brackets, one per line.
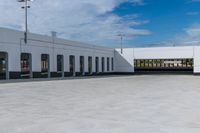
[60, 63]
[97, 64]
[90, 65]
[72, 64]
[108, 64]
[103, 64]
[3, 65]
[112, 60]
[81, 64]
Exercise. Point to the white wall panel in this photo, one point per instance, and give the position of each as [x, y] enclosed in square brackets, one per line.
[163, 53]
[196, 59]
[124, 62]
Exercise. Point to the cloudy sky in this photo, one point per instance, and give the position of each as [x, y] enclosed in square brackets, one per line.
[143, 22]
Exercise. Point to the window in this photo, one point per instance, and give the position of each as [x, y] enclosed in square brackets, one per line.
[45, 63]
[158, 63]
[154, 63]
[3, 65]
[82, 65]
[72, 65]
[108, 64]
[137, 63]
[97, 64]
[142, 63]
[26, 65]
[150, 63]
[184, 63]
[60, 63]
[103, 64]
[90, 65]
[190, 63]
[163, 63]
[112, 61]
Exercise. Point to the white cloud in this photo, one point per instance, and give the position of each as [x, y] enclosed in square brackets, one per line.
[195, 0]
[191, 36]
[83, 20]
[192, 13]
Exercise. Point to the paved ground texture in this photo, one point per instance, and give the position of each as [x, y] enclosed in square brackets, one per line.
[130, 104]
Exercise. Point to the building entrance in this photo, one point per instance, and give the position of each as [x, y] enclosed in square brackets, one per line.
[90, 65]
[72, 65]
[3, 65]
[82, 65]
[26, 65]
[45, 71]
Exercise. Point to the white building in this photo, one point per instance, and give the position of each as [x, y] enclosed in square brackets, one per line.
[45, 57]
[159, 59]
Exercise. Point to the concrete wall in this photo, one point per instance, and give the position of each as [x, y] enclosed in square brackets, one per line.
[124, 61]
[197, 59]
[163, 53]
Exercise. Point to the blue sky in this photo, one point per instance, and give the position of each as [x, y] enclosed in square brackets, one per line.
[167, 19]
[144, 22]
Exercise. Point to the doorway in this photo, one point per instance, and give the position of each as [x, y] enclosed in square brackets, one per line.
[82, 65]
[97, 64]
[90, 65]
[3, 66]
[45, 65]
[60, 65]
[26, 65]
[103, 64]
[72, 65]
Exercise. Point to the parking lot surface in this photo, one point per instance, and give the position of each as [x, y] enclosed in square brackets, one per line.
[123, 104]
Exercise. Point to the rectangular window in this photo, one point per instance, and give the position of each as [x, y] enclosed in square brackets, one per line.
[103, 64]
[3, 65]
[154, 63]
[137, 63]
[167, 64]
[2, 62]
[151, 63]
[183, 63]
[25, 62]
[108, 64]
[90, 65]
[190, 63]
[162, 64]
[146, 62]
[60, 63]
[45, 63]
[112, 61]
[72, 65]
[142, 63]
[97, 64]
[158, 63]
[82, 65]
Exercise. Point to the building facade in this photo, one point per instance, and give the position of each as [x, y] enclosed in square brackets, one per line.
[46, 57]
[159, 59]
